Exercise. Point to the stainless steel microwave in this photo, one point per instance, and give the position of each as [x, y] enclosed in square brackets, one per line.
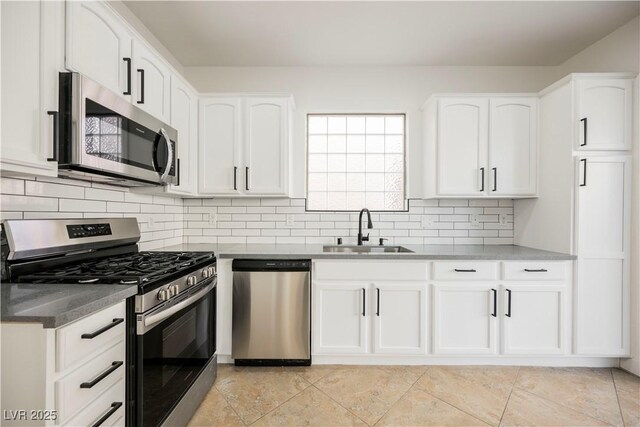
[102, 137]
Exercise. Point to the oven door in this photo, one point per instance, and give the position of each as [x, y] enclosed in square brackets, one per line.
[174, 343]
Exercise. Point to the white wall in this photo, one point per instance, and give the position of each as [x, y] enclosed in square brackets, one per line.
[366, 89]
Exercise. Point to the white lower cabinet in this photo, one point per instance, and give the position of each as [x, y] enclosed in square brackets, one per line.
[464, 318]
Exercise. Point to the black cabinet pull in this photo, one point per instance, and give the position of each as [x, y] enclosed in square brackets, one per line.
[495, 302]
[178, 172]
[141, 100]
[114, 407]
[584, 128]
[128, 91]
[508, 313]
[537, 270]
[364, 301]
[495, 179]
[246, 178]
[235, 177]
[102, 330]
[105, 374]
[482, 179]
[460, 270]
[584, 173]
[378, 303]
[56, 136]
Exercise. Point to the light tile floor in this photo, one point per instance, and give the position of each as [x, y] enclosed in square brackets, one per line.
[323, 395]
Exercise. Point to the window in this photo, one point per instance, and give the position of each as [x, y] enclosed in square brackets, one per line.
[355, 161]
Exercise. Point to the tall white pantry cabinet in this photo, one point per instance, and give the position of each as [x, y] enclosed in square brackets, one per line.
[584, 205]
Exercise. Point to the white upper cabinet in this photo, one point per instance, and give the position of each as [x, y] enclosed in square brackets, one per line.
[184, 118]
[99, 45]
[483, 146]
[266, 150]
[604, 113]
[462, 146]
[152, 86]
[245, 144]
[512, 146]
[32, 54]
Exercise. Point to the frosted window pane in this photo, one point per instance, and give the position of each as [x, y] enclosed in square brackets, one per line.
[337, 162]
[375, 162]
[337, 124]
[355, 144]
[355, 163]
[317, 143]
[355, 125]
[375, 124]
[394, 125]
[375, 144]
[337, 182]
[375, 182]
[317, 162]
[317, 124]
[317, 182]
[336, 201]
[394, 144]
[356, 182]
[337, 143]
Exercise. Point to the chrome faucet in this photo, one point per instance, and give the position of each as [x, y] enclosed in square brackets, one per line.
[362, 238]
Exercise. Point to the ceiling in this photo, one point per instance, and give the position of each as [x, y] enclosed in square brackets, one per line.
[385, 33]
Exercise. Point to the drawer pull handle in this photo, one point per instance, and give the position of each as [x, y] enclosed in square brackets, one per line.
[536, 270]
[114, 407]
[105, 374]
[378, 302]
[364, 302]
[508, 313]
[460, 270]
[495, 303]
[102, 330]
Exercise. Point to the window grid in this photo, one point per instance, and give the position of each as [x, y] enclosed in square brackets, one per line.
[355, 160]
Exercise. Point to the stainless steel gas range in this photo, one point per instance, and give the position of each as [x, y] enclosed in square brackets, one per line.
[171, 321]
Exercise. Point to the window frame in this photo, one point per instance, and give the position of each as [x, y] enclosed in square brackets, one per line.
[404, 114]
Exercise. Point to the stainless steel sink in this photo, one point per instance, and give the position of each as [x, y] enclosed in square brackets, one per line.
[365, 249]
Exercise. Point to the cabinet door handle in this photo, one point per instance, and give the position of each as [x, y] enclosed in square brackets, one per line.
[246, 178]
[102, 330]
[495, 179]
[584, 132]
[55, 156]
[178, 172]
[378, 302]
[495, 302]
[105, 374]
[141, 100]
[364, 302]
[536, 270]
[584, 172]
[235, 177]
[128, 91]
[460, 270]
[508, 313]
[114, 407]
[481, 179]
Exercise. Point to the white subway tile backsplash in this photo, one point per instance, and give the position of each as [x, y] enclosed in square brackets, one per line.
[71, 205]
[24, 203]
[12, 186]
[107, 195]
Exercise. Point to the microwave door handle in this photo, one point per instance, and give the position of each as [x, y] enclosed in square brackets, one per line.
[167, 168]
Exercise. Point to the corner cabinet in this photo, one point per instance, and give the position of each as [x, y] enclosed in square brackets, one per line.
[245, 145]
[480, 146]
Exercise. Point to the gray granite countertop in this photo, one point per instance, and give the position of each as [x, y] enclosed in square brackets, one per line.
[59, 304]
[425, 252]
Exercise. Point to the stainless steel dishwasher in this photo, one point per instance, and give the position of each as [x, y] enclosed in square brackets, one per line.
[271, 312]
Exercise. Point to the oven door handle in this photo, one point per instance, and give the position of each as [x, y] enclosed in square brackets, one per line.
[167, 168]
[147, 322]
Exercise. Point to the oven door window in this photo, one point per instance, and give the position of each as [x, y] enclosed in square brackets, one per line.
[172, 355]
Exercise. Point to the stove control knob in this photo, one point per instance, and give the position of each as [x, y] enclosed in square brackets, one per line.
[212, 271]
[162, 295]
[205, 273]
[173, 290]
[191, 280]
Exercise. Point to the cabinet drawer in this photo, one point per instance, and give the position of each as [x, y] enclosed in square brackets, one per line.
[108, 407]
[465, 270]
[370, 270]
[89, 381]
[534, 270]
[98, 329]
